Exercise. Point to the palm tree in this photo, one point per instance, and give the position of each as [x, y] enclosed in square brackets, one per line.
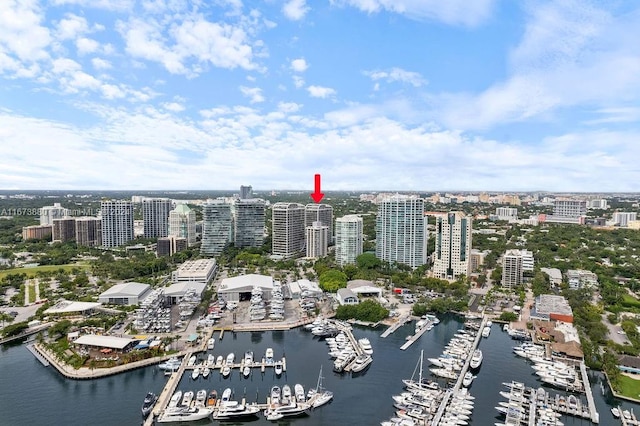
[5, 317]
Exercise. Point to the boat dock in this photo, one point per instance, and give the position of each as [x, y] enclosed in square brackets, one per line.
[631, 420]
[39, 357]
[401, 321]
[456, 388]
[262, 365]
[411, 340]
[595, 417]
[346, 329]
[167, 392]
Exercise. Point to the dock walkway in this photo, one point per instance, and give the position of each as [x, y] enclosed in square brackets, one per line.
[595, 416]
[401, 321]
[418, 335]
[167, 392]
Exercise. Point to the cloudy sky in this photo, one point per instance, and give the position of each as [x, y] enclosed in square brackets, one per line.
[373, 94]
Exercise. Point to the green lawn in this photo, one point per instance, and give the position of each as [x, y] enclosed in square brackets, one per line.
[629, 387]
[31, 272]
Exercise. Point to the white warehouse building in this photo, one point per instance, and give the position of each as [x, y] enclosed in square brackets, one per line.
[131, 293]
[239, 288]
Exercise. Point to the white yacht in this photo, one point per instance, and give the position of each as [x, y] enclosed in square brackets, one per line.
[486, 331]
[205, 372]
[175, 399]
[361, 363]
[211, 343]
[230, 358]
[192, 360]
[201, 397]
[319, 396]
[235, 410]
[276, 394]
[248, 358]
[225, 371]
[246, 371]
[219, 361]
[172, 364]
[365, 344]
[299, 392]
[187, 397]
[286, 394]
[195, 373]
[476, 359]
[420, 325]
[278, 368]
[185, 414]
[467, 379]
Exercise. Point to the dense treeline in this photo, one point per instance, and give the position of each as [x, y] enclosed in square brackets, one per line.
[368, 310]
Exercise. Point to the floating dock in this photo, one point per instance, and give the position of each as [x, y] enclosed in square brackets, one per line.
[401, 321]
[418, 335]
[595, 417]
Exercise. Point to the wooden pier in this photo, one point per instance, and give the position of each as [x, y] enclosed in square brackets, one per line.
[418, 335]
[167, 392]
[401, 321]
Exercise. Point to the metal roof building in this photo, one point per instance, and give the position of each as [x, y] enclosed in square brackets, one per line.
[239, 288]
[69, 307]
[131, 293]
[111, 342]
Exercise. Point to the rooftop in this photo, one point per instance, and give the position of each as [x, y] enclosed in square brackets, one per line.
[249, 280]
[126, 289]
[550, 303]
[67, 306]
[103, 341]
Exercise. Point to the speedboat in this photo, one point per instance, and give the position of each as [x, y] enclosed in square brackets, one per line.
[616, 412]
[467, 379]
[275, 395]
[212, 399]
[195, 373]
[268, 355]
[486, 331]
[192, 360]
[201, 397]
[230, 358]
[205, 372]
[299, 392]
[248, 358]
[148, 403]
[278, 368]
[175, 399]
[246, 371]
[211, 343]
[219, 361]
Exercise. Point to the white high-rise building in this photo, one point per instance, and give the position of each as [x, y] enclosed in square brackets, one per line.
[319, 213]
[569, 208]
[349, 237]
[453, 246]
[288, 231]
[512, 270]
[401, 232]
[182, 223]
[602, 204]
[48, 213]
[117, 222]
[217, 227]
[623, 218]
[249, 221]
[155, 216]
[317, 240]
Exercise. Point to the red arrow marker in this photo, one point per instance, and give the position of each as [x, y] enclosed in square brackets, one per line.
[317, 195]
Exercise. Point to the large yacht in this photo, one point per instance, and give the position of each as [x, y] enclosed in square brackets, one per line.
[184, 414]
[361, 363]
[476, 359]
[148, 403]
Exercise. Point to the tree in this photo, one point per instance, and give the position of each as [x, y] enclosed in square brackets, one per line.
[368, 261]
[508, 316]
[5, 317]
[332, 279]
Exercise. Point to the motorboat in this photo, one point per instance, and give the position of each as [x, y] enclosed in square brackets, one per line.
[192, 360]
[230, 358]
[195, 373]
[268, 355]
[212, 399]
[187, 397]
[148, 403]
[211, 343]
[286, 394]
[246, 371]
[467, 379]
[476, 359]
[616, 412]
[225, 371]
[234, 410]
[420, 325]
[219, 361]
[185, 414]
[361, 363]
[299, 393]
[278, 368]
[486, 331]
[211, 360]
[365, 344]
[175, 399]
[276, 394]
[201, 397]
[172, 364]
[248, 358]
[205, 372]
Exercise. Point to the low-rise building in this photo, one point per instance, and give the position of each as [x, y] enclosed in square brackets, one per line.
[239, 288]
[130, 293]
[346, 297]
[579, 278]
[551, 307]
[555, 275]
[195, 271]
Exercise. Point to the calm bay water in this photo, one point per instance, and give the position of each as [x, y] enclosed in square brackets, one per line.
[31, 394]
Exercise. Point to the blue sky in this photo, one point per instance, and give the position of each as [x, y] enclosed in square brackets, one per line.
[373, 94]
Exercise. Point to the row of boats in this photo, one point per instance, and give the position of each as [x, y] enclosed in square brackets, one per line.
[283, 402]
[345, 354]
[258, 306]
[530, 407]
[550, 371]
[456, 352]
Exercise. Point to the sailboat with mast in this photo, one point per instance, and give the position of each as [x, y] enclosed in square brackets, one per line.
[319, 396]
[421, 383]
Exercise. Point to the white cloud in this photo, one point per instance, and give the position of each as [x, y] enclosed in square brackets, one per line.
[71, 27]
[253, 93]
[397, 74]
[295, 9]
[456, 12]
[86, 45]
[320, 91]
[298, 81]
[21, 33]
[100, 64]
[289, 107]
[173, 106]
[299, 65]
[113, 5]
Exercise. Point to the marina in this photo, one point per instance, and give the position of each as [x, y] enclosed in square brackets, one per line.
[422, 326]
[93, 400]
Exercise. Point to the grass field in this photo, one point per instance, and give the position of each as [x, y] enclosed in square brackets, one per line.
[31, 272]
[629, 387]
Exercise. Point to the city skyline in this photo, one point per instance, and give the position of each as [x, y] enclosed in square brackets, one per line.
[400, 95]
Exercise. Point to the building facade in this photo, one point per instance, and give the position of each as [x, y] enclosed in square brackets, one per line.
[401, 232]
[116, 222]
[88, 231]
[507, 213]
[317, 240]
[36, 232]
[623, 218]
[246, 192]
[48, 213]
[288, 230]
[319, 213]
[182, 223]
[217, 227]
[155, 214]
[249, 222]
[512, 273]
[453, 246]
[349, 236]
[168, 246]
[64, 229]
